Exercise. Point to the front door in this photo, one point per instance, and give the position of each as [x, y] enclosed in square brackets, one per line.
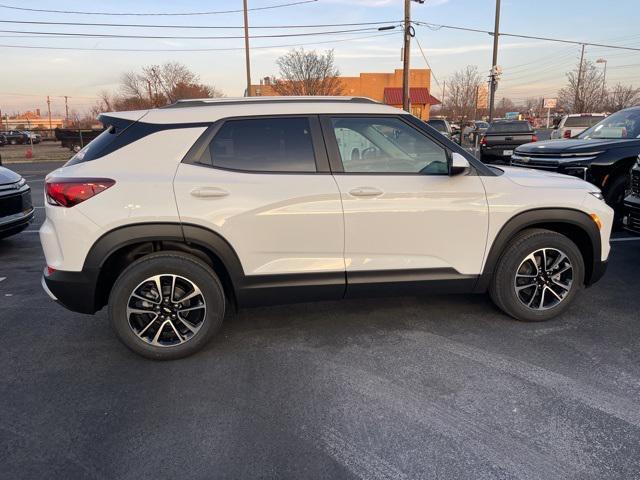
[406, 219]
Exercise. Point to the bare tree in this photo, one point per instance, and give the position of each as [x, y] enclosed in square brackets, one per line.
[505, 105]
[307, 73]
[622, 96]
[154, 86]
[589, 96]
[462, 93]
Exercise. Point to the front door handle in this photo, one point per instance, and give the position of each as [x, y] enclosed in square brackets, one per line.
[209, 192]
[365, 192]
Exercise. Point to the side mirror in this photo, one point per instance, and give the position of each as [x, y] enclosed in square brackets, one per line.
[459, 165]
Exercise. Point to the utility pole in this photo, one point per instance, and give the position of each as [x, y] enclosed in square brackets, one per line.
[246, 47]
[604, 80]
[66, 109]
[406, 54]
[494, 64]
[49, 109]
[576, 100]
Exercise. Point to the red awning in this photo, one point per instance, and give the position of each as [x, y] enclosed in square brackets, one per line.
[417, 96]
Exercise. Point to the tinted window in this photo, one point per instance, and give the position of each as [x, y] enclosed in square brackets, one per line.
[387, 145]
[586, 121]
[264, 145]
[93, 149]
[622, 124]
[509, 127]
[439, 125]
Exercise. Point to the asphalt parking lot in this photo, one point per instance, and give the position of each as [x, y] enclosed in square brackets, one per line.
[437, 387]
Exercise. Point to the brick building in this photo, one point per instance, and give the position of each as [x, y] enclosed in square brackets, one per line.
[383, 87]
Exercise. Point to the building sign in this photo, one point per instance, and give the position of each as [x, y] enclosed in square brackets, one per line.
[550, 103]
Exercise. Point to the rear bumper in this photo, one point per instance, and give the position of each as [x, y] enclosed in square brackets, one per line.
[74, 290]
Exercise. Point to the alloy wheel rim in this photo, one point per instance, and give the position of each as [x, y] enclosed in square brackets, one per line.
[543, 279]
[166, 310]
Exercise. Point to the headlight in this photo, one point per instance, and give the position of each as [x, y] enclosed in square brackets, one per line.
[598, 195]
[21, 183]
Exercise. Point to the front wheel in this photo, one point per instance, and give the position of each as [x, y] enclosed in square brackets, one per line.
[166, 305]
[537, 276]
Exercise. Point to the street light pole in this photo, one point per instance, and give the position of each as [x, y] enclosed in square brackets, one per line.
[604, 78]
[578, 82]
[246, 47]
[494, 62]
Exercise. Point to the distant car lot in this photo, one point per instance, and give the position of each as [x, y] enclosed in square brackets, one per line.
[433, 387]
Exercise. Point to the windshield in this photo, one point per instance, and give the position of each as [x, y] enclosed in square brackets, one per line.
[622, 124]
[583, 121]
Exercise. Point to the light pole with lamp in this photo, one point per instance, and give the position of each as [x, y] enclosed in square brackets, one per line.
[604, 76]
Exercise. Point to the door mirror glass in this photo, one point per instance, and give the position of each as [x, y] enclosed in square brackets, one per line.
[459, 164]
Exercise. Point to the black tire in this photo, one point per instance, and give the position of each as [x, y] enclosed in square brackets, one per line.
[614, 197]
[13, 141]
[503, 284]
[188, 268]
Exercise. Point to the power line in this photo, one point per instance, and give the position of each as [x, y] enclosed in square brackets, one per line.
[435, 26]
[427, 61]
[154, 14]
[337, 40]
[200, 27]
[187, 37]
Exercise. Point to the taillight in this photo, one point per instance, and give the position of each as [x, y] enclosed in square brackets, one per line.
[67, 192]
[483, 141]
[534, 138]
[567, 134]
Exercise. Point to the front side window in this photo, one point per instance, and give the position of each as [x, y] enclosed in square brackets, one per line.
[387, 145]
[264, 145]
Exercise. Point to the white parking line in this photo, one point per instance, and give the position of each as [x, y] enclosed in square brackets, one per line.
[627, 239]
[2, 278]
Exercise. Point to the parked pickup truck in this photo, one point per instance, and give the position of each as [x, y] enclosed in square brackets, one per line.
[502, 137]
[75, 139]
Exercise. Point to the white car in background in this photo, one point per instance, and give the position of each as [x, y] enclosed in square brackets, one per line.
[575, 123]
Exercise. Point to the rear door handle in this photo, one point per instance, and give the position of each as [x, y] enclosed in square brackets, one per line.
[365, 192]
[209, 192]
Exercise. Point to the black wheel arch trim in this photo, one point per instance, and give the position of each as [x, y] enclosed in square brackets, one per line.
[539, 217]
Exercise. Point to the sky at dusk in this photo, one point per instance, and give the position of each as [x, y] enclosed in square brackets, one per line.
[531, 67]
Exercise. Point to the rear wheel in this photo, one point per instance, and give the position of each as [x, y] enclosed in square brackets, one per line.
[166, 305]
[538, 275]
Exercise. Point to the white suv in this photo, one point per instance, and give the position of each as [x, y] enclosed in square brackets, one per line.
[174, 216]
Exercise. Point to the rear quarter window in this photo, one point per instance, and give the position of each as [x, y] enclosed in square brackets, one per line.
[92, 150]
[586, 121]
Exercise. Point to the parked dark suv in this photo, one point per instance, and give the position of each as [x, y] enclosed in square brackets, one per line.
[16, 210]
[603, 155]
[632, 202]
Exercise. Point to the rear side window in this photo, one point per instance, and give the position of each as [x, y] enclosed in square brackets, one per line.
[438, 125]
[264, 145]
[509, 127]
[94, 147]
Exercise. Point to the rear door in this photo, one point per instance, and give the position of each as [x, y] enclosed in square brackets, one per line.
[406, 219]
[264, 185]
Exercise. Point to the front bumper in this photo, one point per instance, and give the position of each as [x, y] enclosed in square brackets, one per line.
[632, 210]
[16, 222]
[74, 290]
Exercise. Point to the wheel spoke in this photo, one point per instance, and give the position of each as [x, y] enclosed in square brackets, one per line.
[195, 293]
[554, 293]
[140, 311]
[533, 297]
[147, 327]
[561, 285]
[197, 307]
[541, 306]
[175, 330]
[173, 288]
[560, 272]
[188, 324]
[544, 259]
[158, 283]
[523, 287]
[140, 297]
[157, 335]
[558, 261]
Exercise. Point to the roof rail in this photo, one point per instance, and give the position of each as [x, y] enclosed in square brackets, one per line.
[207, 102]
